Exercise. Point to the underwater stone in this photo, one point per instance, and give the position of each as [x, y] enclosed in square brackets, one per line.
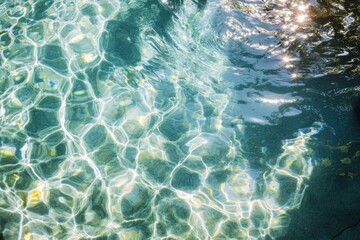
[40, 9]
[79, 176]
[185, 180]
[80, 92]
[174, 126]
[105, 155]
[47, 79]
[49, 168]
[258, 216]
[164, 193]
[89, 10]
[180, 210]
[26, 94]
[156, 169]
[136, 204]
[113, 169]
[133, 128]
[18, 30]
[172, 152]
[84, 112]
[6, 40]
[83, 45]
[20, 53]
[52, 56]
[51, 52]
[195, 164]
[23, 183]
[95, 136]
[40, 209]
[130, 154]
[166, 94]
[98, 75]
[218, 177]
[161, 229]
[50, 103]
[4, 80]
[212, 218]
[38, 150]
[213, 152]
[98, 200]
[119, 43]
[60, 202]
[232, 230]
[41, 120]
[36, 32]
[138, 229]
[180, 228]
[80, 114]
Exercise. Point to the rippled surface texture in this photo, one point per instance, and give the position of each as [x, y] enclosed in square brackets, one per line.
[151, 119]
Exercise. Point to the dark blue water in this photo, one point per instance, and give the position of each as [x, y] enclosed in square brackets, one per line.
[179, 120]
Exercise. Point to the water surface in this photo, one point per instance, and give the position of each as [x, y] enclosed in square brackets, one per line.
[175, 119]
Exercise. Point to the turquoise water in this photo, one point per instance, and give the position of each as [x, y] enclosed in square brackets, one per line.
[167, 119]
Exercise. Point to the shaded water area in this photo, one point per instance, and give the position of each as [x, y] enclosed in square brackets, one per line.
[179, 119]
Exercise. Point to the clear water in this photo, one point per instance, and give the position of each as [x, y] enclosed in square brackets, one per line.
[170, 119]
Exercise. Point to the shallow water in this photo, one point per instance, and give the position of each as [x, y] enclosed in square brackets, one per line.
[173, 120]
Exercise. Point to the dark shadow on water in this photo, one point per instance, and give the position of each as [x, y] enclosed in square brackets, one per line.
[330, 207]
[357, 111]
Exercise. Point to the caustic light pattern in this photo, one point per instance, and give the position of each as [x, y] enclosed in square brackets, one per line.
[114, 124]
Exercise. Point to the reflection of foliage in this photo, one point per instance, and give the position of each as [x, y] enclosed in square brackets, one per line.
[335, 34]
[343, 16]
[324, 35]
[339, 20]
